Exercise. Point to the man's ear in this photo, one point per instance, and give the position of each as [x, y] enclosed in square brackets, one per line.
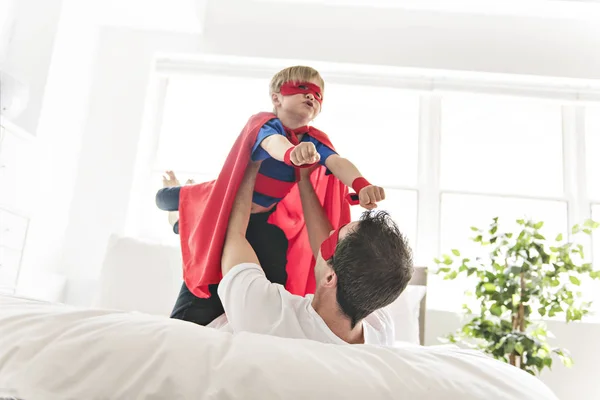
[330, 279]
[276, 99]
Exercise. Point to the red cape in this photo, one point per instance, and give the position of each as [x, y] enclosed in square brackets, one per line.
[204, 211]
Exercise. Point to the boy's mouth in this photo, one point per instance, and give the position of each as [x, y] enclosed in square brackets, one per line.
[309, 103]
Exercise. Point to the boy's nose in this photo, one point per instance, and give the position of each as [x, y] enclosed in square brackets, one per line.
[310, 96]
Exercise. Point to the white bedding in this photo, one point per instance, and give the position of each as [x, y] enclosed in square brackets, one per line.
[50, 351]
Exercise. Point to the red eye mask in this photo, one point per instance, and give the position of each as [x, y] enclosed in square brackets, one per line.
[290, 88]
[329, 245]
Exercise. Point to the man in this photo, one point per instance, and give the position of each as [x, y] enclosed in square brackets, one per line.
[360, 268]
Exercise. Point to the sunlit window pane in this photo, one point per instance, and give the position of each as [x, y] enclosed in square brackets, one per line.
[203, 115]
[592, 144]
[460, 212]
[501, 145]
[374, 127]
[402, 207]
[596, 237]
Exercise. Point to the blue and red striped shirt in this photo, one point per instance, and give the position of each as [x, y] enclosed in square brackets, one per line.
[275, 169]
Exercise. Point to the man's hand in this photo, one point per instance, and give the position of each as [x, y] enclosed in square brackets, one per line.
[305, 173]
[369, 196]
[304, 153]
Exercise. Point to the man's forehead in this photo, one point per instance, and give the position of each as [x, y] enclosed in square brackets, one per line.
[350, 227]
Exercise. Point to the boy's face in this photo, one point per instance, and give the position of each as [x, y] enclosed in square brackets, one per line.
[303, 106]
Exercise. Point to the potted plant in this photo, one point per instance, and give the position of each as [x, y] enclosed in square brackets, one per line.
[522, 278]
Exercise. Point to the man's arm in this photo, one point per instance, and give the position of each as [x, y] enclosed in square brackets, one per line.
[250, 301]
[317, 223]
[236, 249]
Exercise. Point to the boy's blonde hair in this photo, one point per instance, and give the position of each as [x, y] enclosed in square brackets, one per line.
[297, 73]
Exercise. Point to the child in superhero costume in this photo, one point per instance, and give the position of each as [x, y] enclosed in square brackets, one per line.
[284, 142]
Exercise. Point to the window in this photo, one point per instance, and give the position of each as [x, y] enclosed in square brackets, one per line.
[203, 116]
[402, 207]
[376, 128]
[596, 236]
[501, 145]
[592, 144]
[496, 155]
[460, 212]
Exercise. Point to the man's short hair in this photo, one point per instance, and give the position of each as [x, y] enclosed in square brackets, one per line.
[373, 264]
[298, 73]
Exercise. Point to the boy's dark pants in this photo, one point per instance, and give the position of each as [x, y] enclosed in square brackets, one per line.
[267, 240]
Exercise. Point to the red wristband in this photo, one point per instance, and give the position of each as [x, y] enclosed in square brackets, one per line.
[359, 183]
[286, 157]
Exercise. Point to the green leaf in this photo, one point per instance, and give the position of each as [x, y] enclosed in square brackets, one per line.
[510, 346]
[519, 347]
[521, 221]
[474, 229]
[574, 280]
[489, 287]
[559, 238]
[456, 252]
[575, 229]
[538, 225]
[539, 236]
[542, 311]
[515, 270]
[567, 361]
[595, 274]
[556, 308]
[496, 310]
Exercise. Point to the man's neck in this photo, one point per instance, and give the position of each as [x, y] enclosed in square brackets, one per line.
[338, 323]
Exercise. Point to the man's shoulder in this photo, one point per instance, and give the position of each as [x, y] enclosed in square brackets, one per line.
[243, 267]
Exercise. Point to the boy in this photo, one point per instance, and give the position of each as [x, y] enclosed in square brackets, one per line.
[284, 142]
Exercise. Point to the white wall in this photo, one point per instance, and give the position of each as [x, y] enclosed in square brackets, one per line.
[92, 112]
[581, 339]
[29, 50]
[508, 44]
[109, 143]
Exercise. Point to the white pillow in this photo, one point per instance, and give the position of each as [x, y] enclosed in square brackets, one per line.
[139, 275]
[405, 314]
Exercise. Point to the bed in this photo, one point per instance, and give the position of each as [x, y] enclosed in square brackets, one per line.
[54, 351]
[125, 347]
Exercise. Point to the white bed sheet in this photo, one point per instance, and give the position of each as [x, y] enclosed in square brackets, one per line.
[52, 351]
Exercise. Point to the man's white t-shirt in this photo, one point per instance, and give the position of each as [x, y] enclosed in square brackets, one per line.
[253, 304]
